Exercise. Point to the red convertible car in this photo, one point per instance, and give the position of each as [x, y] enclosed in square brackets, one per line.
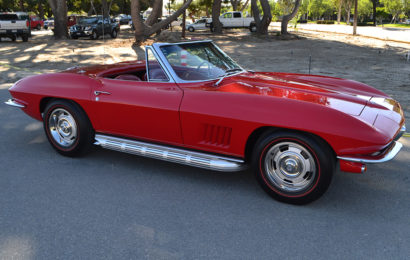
[190, 103]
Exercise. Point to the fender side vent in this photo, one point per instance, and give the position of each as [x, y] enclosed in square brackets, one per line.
[216, 135]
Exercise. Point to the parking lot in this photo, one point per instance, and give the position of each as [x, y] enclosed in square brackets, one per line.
[118, 206]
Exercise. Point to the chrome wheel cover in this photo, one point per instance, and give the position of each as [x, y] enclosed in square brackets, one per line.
[290, 167]
[62, 127]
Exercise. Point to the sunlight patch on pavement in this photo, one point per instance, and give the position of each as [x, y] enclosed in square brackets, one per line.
[6, 85]
[16, 248]
[23, 58]
[33, 126]
[38, 139]
[36, 48]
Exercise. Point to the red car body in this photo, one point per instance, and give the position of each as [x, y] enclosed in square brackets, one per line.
[197, 115]
[357, 121]
[36, 23]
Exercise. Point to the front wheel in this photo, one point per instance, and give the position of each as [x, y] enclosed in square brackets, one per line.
[293, 167]
[94, 35]
[68, 128]
[191, 29]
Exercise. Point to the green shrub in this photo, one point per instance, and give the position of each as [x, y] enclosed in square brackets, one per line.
[325, 22]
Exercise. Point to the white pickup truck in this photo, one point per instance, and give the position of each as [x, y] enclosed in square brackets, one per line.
[13, 25]
[233, 20]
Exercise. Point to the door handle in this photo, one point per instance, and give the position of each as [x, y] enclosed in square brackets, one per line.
[97, 92]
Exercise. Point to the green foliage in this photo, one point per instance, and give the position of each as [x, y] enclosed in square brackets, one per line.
[395, 7]
[325, 22]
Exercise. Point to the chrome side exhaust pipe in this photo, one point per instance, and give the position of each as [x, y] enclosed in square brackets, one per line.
[177, 155]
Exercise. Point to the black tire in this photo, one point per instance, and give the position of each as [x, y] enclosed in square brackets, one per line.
[45, 27]
[252, 27]
[94, 35]
[13, 38]
[114, 34]
[67, 128]
[191, 29]
[292, 167]
[211, 27]
[75, 37]
[24, 37]
[38, 27]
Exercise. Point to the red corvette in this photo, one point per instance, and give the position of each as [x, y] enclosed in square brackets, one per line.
[190, 103]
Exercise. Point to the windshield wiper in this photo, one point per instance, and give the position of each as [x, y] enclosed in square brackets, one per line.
[232, 70]
[227, 73]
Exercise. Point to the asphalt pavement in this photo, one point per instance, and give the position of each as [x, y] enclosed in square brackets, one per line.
[110, 205]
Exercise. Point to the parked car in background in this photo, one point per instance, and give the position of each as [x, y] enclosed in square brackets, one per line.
[94, 27]
[178, 22]
[74, 19]
[13, 25]
[36, 23]
[49, 23]
[123, 19]
[190, 103]
[199, 24]
[233, 20]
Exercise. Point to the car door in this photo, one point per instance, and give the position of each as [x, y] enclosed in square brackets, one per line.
[147, 110]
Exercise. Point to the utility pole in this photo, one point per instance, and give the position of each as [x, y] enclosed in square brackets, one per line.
[183, 22]
[355, 18]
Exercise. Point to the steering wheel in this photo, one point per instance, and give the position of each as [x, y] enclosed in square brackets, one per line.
[209, 67]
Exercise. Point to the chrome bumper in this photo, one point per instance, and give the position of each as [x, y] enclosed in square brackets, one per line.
[401, 133]
[13, 103]
[387, 155]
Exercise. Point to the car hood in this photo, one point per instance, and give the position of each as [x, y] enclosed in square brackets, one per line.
[344, 95]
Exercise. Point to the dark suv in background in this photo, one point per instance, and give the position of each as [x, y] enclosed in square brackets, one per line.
[94, 27]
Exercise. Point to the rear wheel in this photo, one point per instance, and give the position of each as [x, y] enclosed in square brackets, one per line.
[293, 167]
[191, 29]
[13, 38]
[24, 38]
[38, 27]
[68, 128]
[114, 34]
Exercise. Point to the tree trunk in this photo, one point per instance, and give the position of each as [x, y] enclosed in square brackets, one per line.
[59, 9]
[262, 26]
[355, 18]
[151, 25]
[216, 12]
[21, 5]
[339, 12]
[288, 17]
[374, 12]
[245, 5]
[41, 10]
[234, 4]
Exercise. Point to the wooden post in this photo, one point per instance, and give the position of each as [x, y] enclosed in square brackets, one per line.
[355, 17]
[183, 22]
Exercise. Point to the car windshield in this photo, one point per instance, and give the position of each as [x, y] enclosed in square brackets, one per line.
[198, 61]
[88, 20]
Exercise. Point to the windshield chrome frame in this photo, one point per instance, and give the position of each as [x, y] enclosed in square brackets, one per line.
[161, 57]
[161, 63]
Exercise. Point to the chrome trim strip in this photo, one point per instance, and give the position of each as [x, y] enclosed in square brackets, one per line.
[401, 133]
[388, 156]
[161, 63]
[13, 103]
[196, 159]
